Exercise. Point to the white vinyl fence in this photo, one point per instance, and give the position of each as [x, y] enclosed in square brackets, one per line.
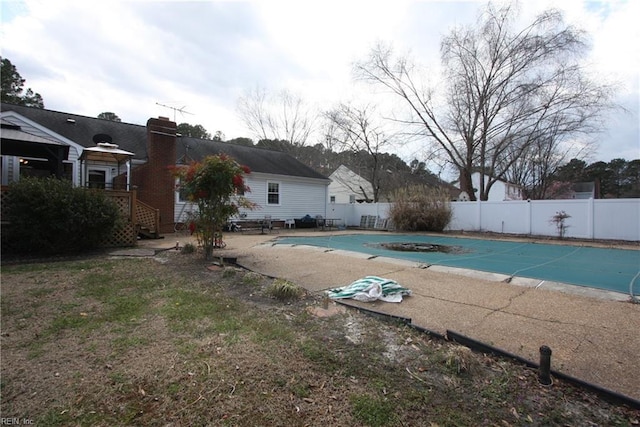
[607, 219]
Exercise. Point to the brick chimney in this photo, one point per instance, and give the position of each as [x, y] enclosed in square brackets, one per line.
[156, 184]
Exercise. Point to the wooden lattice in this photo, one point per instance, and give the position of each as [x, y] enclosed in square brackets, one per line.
[146, 216]
[123, 199]
[124, 235]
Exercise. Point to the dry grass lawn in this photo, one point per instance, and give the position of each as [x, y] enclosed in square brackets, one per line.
[170, 341]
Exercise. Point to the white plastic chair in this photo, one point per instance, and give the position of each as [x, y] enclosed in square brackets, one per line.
[266, 224]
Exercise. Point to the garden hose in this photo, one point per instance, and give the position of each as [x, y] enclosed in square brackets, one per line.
[634, 299]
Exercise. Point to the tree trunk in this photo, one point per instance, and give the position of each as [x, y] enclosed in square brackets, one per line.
[466, 184]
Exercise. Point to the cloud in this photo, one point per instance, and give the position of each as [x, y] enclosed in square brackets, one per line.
[126, 57]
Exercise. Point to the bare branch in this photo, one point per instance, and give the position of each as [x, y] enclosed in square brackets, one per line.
[509, 92]
[282, 116]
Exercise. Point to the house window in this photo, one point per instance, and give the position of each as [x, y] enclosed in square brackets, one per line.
[332, 199]
[352, 198]
[32, 167]
[97, 178]
[182, 195]
[180, 191]
[13, 167]
[273, 193]
[67, 168]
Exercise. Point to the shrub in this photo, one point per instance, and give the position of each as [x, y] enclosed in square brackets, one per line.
[188, 248]
[214, 186]
[421, 208]
[252, 279]
[559, 220]
[51, 216]
[461, 360]
[284, 290]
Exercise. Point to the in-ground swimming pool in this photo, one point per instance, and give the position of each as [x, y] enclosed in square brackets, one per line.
[601, 268]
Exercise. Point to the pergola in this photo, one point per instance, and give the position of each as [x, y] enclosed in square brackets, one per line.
[106, 153]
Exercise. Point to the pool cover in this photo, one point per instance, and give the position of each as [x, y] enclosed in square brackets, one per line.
[601, 268]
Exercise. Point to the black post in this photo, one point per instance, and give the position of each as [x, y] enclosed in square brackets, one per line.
[544, 372]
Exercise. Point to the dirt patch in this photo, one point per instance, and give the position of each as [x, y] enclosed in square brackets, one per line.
[169, 341]
[326, 309]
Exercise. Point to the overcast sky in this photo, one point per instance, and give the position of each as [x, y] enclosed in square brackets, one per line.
[88, 57]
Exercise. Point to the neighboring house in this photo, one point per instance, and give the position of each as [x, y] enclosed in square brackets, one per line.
[584, 190]
[455, 194]
[349, 187]
[460, 196]
[500, 190]
[100, 153]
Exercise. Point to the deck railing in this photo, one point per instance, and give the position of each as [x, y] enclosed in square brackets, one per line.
[126, 233]
[147, 218]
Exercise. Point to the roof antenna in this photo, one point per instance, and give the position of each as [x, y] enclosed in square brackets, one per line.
[175, 109]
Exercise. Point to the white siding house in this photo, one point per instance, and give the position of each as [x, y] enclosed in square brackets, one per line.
[281, 186]
[348, 187]
[280, 196]
[500, 190]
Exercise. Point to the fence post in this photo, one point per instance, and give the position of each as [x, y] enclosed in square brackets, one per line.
[544, 373]
[529, 216]
[590, 221]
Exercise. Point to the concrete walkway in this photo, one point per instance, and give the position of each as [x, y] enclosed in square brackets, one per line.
[595, 337]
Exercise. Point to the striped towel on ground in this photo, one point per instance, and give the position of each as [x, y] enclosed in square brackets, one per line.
[371, 288]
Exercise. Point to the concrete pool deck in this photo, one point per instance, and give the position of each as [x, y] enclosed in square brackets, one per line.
[594, 335]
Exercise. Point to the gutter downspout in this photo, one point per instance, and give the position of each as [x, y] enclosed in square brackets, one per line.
[83, 172]
[326, 199]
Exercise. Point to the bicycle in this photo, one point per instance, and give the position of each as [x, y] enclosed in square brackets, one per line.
[180, 227]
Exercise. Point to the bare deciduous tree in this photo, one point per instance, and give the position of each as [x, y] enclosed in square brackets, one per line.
[505, 89]
[534, 168]
[281, 116]
[357, 129]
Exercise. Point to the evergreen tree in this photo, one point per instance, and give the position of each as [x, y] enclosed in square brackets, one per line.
[12, 87]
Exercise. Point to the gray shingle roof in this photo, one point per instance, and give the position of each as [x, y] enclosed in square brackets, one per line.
[257, 159]
[132, 137]
[81, 129]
